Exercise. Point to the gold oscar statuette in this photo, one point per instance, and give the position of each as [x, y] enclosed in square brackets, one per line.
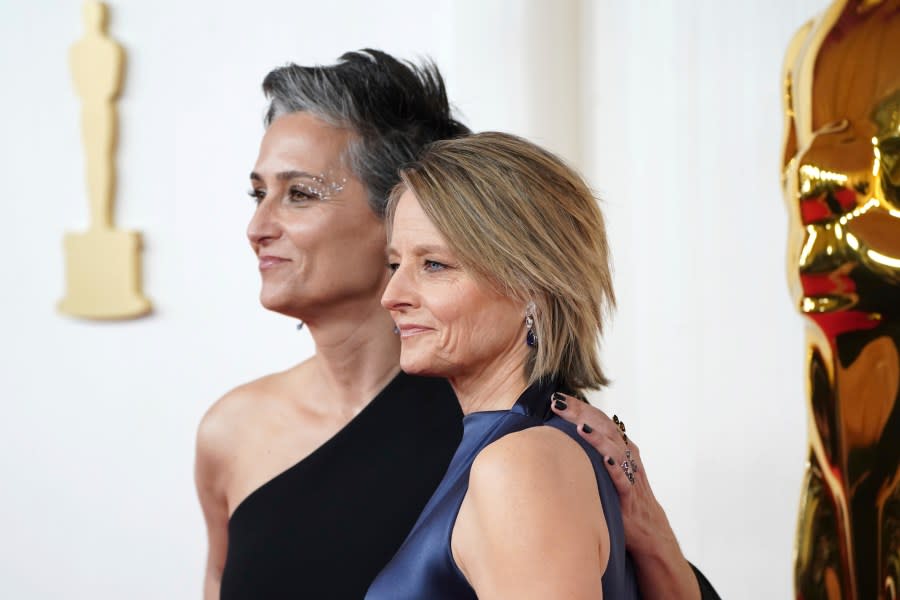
[841, 181]
[102, 264]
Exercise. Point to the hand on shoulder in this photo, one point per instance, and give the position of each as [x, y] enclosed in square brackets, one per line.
[662, 568]
[531, 525]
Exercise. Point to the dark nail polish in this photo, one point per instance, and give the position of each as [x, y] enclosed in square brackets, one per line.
[559, 403]
[610, 461]
[587, 428]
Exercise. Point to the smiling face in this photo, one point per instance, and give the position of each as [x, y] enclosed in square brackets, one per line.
[320, 246]
[451, 324]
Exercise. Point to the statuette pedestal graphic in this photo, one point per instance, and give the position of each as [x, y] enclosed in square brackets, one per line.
[103, 276]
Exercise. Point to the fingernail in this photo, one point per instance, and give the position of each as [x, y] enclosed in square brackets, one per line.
[587, 428]
[610, 461]
[559, 403]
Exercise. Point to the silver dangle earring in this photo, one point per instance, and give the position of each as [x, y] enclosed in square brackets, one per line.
[530, 336]
[396, 330]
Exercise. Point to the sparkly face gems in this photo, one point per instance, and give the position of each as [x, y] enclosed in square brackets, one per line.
[300, 187]
[322, 187]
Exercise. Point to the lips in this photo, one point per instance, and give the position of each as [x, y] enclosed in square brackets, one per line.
[269, 262]
[411, 330]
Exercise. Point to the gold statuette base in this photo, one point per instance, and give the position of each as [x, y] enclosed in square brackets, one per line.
[103, 275]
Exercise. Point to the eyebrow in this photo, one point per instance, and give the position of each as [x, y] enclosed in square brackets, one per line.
[288, 175]
[421, 249]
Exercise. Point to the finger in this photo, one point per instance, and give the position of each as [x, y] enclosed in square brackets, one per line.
[619, 475]
[635, 449]
[576, 411]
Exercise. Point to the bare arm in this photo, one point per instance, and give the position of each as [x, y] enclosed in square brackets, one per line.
[662, 569]
[531, 526]
[209, 476]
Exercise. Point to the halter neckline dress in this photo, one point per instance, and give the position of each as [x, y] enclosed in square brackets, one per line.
[424, 568]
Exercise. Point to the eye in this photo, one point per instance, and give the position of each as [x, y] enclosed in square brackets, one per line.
[433, 265]
[392, 267]
[301, 194]
[257, 195]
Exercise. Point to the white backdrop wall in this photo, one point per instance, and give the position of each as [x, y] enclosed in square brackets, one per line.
[671, 109]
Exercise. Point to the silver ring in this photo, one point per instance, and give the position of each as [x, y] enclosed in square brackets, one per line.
[632, 463]
[626, 466]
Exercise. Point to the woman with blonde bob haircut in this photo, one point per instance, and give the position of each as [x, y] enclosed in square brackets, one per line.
[501, 283]
[529, 225]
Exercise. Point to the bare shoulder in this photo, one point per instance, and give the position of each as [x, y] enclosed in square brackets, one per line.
[536, 469]
[238, 410]
[221, 438]
[223, 417]
[538, 455]
[531, 525]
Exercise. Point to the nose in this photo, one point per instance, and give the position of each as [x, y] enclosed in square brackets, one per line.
[264, 225]
[399, 293]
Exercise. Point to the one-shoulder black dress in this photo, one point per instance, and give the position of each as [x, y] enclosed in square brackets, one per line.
[324, 528]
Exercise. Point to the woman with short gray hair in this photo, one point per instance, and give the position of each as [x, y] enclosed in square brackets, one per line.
[310, 478]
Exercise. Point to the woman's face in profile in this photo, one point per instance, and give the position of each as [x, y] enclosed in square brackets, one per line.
[451, 324]
[318, 243]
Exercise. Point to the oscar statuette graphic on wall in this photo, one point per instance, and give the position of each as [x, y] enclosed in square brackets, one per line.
[841, 181]
[103, 270]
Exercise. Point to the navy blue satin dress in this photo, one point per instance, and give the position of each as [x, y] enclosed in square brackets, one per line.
[423, 568]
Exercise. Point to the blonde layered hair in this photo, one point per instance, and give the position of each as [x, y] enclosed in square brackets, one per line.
[523, 221]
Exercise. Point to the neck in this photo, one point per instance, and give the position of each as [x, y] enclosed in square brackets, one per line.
[357, 353]
[495, 386]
